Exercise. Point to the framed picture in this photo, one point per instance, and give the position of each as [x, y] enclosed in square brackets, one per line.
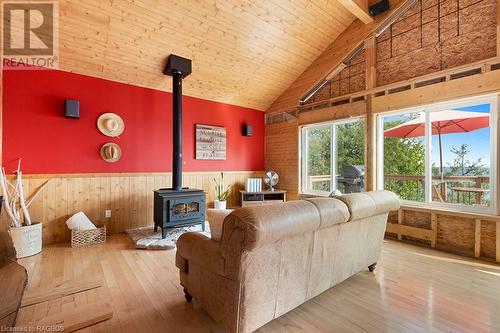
[210, 142]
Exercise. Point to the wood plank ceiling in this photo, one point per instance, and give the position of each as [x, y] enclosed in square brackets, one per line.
[244, 52]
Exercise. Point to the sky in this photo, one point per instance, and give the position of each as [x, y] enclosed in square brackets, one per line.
[478, 141]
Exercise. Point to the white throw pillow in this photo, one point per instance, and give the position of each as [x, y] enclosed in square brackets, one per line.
[335, 193]
[80, 222]
[215, 219]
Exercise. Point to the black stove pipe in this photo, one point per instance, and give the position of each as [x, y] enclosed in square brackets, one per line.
[178, 68]
[177, 131]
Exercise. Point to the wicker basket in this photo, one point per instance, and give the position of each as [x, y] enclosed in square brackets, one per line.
[88, 237]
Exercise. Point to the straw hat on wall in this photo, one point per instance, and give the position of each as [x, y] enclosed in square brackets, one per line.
[111, 124]
[111, 152]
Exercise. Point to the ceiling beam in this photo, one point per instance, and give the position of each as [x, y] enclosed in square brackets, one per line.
[358, 8]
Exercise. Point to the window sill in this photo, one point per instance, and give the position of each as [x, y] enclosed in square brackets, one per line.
[474, 213]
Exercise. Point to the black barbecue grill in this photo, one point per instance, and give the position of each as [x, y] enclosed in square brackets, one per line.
[353, 178]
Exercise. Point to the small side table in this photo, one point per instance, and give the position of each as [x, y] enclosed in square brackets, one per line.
[262, 198]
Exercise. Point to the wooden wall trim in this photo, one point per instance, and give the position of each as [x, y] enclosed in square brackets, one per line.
[128, 196]
[475, 85]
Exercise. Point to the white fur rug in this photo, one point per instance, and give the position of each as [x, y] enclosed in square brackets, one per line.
[146, 238]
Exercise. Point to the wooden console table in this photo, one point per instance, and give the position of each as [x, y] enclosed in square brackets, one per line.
[262, 198]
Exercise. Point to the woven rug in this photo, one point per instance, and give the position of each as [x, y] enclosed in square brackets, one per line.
[146, 238]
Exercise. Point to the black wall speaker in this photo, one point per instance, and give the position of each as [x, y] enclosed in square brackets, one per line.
[379, 7]
[72, 108]
[247, 130]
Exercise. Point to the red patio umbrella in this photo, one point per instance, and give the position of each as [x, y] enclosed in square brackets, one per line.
[443, 122]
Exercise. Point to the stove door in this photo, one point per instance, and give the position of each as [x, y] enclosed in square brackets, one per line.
[186, 208]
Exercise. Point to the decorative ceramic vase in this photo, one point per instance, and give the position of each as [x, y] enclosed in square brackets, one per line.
[220, 205]
[27, 240]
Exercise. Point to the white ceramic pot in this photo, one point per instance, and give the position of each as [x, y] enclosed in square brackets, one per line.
[220, 205]
[27, 239]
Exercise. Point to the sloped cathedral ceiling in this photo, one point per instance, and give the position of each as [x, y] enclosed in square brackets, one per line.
[244, 52]
[332, 57]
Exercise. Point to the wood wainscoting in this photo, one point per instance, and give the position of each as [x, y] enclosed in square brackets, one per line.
[467, 234]
[128, 196]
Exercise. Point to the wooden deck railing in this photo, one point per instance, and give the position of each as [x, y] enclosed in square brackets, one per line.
[439, 188]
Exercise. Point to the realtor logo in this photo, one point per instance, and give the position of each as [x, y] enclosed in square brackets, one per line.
[30, 34]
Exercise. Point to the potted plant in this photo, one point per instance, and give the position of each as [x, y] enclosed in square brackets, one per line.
[221, 194]
[26, 235]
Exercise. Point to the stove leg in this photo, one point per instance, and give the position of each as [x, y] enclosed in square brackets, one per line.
[163, 233]
[371, 268]
[203, 226]
[156, 227]
[187, 295]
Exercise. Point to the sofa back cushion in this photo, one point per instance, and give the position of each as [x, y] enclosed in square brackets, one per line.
[331, 211]
[366, 204]
[267, 224]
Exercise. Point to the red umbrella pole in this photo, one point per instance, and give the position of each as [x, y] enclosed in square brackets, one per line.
[440, 155]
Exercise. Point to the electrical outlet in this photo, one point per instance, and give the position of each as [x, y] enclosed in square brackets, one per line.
[107, 213]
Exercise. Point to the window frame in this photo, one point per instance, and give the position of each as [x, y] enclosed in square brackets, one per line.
[303, 153]
[493, 101]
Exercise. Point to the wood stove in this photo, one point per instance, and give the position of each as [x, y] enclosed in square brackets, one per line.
[178, 206]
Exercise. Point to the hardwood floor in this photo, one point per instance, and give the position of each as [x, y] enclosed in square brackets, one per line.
[413, 289]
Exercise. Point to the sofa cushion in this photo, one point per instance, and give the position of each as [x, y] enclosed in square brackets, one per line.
[269, 223]
[366, 204]
[385, 201]
[215, 219]
[331, 211]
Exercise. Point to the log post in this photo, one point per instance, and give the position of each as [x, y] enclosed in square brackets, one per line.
[477, 239]
[370, 127]
[498, 242]
[400, 220]
[434, 228]
[498, 27]
[479, 182]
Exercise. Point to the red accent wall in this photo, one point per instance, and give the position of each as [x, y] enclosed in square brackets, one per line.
[34, 126]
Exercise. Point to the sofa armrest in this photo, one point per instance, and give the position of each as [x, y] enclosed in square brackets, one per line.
[193, 246]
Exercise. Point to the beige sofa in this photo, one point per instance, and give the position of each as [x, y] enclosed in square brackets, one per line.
[271, 259]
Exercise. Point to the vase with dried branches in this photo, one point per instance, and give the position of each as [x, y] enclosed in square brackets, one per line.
[26, 234]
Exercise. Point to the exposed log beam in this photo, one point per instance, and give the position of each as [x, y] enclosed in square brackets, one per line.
[370, 62]
[358, 8]
[334, 54]
[498, 27]
[474, 85]
[370, 146]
